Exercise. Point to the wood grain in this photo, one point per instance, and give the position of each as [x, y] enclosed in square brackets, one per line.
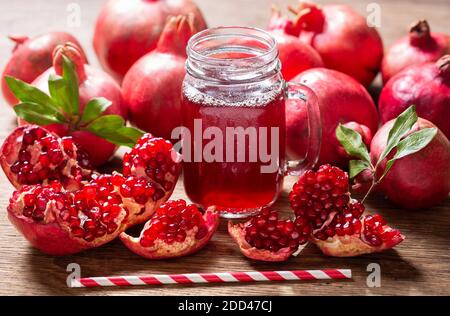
[420, 265]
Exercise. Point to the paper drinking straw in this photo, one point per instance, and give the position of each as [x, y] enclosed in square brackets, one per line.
[219, 277]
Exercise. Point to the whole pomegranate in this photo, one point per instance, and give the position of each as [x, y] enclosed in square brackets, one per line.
[420, 180]
[31, 57]
[342, 100]
[418, 47]
[342, 37]
[151, 88]
[176, 229]
[126, 30]
[427, 86]
[295, 56]
[63, 208]
[92, 83]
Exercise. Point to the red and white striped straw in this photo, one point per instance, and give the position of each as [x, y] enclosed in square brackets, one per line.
[220, 277]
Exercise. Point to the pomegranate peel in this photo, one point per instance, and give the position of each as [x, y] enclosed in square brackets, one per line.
[427, 86]
[237, 232]
[175, 230]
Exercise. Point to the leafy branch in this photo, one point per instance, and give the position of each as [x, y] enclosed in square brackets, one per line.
[397, 145]
[62, 106]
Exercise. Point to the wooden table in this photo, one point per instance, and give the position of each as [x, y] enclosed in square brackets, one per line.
[420, 265]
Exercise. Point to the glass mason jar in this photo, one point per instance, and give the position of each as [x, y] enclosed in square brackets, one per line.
[233, 135]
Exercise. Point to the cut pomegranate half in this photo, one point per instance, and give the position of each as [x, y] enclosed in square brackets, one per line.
[59, 222]
[351, 234]
[33, 155]
[265, 237]
[176, 229]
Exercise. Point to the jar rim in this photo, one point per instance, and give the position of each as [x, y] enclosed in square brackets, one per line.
[203, 47]
[231, 31]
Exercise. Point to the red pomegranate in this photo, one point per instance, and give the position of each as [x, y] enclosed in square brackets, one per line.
[324, 214]
[295, 56]
[323, 207]
[92, 83]
[126, 30]
[176, 229]
[342, 100]
[63, 208]
[342, 37]
[418, 47]
[151, 88]
[420, 180]
[427, 86]
[31, 57]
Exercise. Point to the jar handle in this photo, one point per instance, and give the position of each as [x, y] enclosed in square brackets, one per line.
[296, 92]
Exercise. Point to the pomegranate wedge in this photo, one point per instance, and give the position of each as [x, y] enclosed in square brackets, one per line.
[265, 237]
[175, 230]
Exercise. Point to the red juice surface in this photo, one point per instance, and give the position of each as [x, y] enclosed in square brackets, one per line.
[232, 184]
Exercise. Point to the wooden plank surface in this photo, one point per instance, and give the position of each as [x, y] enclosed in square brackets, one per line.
[420, 265]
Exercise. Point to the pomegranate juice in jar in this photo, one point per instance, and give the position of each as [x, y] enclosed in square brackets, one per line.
[233, 133]
[236, 185]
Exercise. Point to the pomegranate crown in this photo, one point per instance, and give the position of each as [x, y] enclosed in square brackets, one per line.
[443, 65]
[18, 40]
[74, 54]
[419, 33]
[308, 17]
[176, 34]
[62, 104]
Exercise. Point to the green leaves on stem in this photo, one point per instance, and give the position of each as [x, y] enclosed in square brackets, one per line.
[397, 144]
[62, 106]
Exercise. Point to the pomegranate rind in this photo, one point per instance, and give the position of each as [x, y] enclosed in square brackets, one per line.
[353, 245]
[237, 232]
[51, 236]
[161, 250]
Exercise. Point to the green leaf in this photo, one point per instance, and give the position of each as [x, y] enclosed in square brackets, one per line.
[352, 143]
[356, 167]
[410, 145]
[131, 133]
[58, 91]
[71, 78]
[113, 129]
[29, 94]
[94, 109]
[401, 126]
[36, 113]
